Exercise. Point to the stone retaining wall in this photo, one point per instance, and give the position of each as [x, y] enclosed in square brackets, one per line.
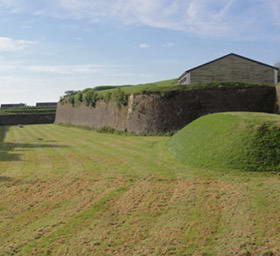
[27, 119]
[153, 113]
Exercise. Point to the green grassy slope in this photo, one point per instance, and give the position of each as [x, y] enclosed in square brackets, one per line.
[89, 96]
[156, 86]
[172, 85]
[236, 140]
[69, 191]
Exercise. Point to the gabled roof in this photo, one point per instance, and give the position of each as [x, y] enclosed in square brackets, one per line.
[231, 54]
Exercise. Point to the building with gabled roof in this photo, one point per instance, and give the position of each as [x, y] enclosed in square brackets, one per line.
[231, 68]
[14, 105]
[46, 104]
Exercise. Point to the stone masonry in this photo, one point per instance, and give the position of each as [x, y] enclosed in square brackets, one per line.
[155, 113]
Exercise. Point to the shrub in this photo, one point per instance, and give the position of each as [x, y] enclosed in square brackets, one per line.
[121, 98]
[107, 97]
[78, 98]
[104, 87]
[62, 100]
[70, 99]
[90, 98]
[120, 94]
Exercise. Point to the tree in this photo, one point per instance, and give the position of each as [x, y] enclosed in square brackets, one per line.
[70, 92]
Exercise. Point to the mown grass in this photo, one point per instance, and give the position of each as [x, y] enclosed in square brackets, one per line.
[140, 88]
[70, 191]
[172, 85]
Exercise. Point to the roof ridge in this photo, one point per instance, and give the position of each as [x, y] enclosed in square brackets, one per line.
[237, 55]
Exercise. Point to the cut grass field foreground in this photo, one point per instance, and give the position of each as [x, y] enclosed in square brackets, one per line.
[235, 140]
[69, 191]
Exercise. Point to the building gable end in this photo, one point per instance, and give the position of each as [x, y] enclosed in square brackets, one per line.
[231, 54]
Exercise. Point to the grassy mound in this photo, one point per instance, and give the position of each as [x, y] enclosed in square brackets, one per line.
[236, 140]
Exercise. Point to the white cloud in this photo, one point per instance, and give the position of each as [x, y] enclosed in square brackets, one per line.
[9, 44]
[7, 68]
[203, 17]
[27, 89]
[66, 69]
[144, 45]
[11, 6]
[197, 16]
[82, 69]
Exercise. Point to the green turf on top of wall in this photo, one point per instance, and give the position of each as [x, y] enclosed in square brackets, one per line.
[232, 140]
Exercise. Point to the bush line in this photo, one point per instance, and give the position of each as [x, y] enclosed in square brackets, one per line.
[120, 94]
[109, 130]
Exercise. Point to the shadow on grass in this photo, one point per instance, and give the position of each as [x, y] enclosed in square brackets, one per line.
[12, 146]
[3, 131]
[6, 148]
[6, 179]
[4, 154]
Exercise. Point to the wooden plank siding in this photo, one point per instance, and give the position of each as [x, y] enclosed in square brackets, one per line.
[231, 68]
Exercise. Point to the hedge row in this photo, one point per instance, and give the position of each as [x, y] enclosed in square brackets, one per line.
[120, 93]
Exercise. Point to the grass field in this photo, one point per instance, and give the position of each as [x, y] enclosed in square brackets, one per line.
[69, 191]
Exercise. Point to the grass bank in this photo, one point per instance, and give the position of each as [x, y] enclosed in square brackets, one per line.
[233, 140]
[120, 94]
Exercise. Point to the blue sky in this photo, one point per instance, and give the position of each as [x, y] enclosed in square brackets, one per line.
[50, 46]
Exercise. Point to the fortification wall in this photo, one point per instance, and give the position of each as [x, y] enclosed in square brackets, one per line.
[27, 119]
[153, 113]
[277, 108]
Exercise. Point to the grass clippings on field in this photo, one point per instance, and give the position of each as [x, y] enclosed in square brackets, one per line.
[78, 192]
